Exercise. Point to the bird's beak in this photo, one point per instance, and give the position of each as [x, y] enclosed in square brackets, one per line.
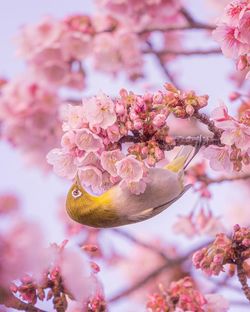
[77, 180]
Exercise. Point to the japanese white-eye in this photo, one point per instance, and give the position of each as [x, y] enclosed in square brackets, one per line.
[118, 207]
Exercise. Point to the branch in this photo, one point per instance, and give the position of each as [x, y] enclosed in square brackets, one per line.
[208, 180]
[162, 64]
[151, 247]
[177, 141]
[243, 279]
[194, 26]
[10, 301]
[193, 23]
[145, 279]
[184, 53]
[203, 118]
[153, 274]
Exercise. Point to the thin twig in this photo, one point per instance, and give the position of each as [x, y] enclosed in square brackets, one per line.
[163, 65]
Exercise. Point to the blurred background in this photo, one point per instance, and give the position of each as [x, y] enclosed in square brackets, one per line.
[42, 193]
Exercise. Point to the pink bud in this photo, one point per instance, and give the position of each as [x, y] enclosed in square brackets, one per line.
[234, 96]
[123, 93]
[147, 97]
[159, 154]
[119, 108]
[95, 267]
[13, 288]
[189, 110]
[202, 100]
[218, 259]
[242, 63]
[158, 97]
[246, 242]
[236, 227]
[159, 120]
[90, 248]
[138, 124]
[144, 150]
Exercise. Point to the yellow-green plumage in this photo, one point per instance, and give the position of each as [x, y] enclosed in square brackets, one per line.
[87, 208]
[118, 207]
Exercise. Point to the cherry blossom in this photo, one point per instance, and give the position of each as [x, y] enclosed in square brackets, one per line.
[201, 223]
[111, 56]
[99, 111]
[231, 32]
[149, 14]
[114, 141]
[87, 141]
[216, 303]
[29, 117]
[63, 163]
[189, 299]
[109, 160]
[223, 250]
[18, 256]
[76, 273]
[72, 116]
[91, 176]
[235, 133]
[129, 169]
[219, 158]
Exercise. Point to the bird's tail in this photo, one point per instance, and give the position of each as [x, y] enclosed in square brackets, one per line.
[182, 159]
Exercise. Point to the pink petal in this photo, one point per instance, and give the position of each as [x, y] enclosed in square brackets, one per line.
[130, 169]
[88, 141]
[109, 159]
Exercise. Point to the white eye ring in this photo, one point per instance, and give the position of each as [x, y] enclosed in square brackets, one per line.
[76, 193]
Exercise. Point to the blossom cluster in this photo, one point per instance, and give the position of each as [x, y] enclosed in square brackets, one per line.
[201, 223]
[59, 281]
[224, 250]
[197, 175]
[212, 259]
[60, 47]
[183, 296]
[29, 117]
[53, 270]
[56, 272]
[232, 33]
[146, 14]
[236, 138]
[94, 133]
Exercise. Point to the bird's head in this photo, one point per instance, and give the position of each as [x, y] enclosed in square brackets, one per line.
[79, 203]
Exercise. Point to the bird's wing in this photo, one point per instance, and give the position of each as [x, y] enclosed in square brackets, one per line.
[181, 159]
[150, 212]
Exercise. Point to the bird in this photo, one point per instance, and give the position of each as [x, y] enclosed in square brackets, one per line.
[117, 207]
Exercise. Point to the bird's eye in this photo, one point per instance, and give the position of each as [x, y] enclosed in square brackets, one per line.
[76, 193]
